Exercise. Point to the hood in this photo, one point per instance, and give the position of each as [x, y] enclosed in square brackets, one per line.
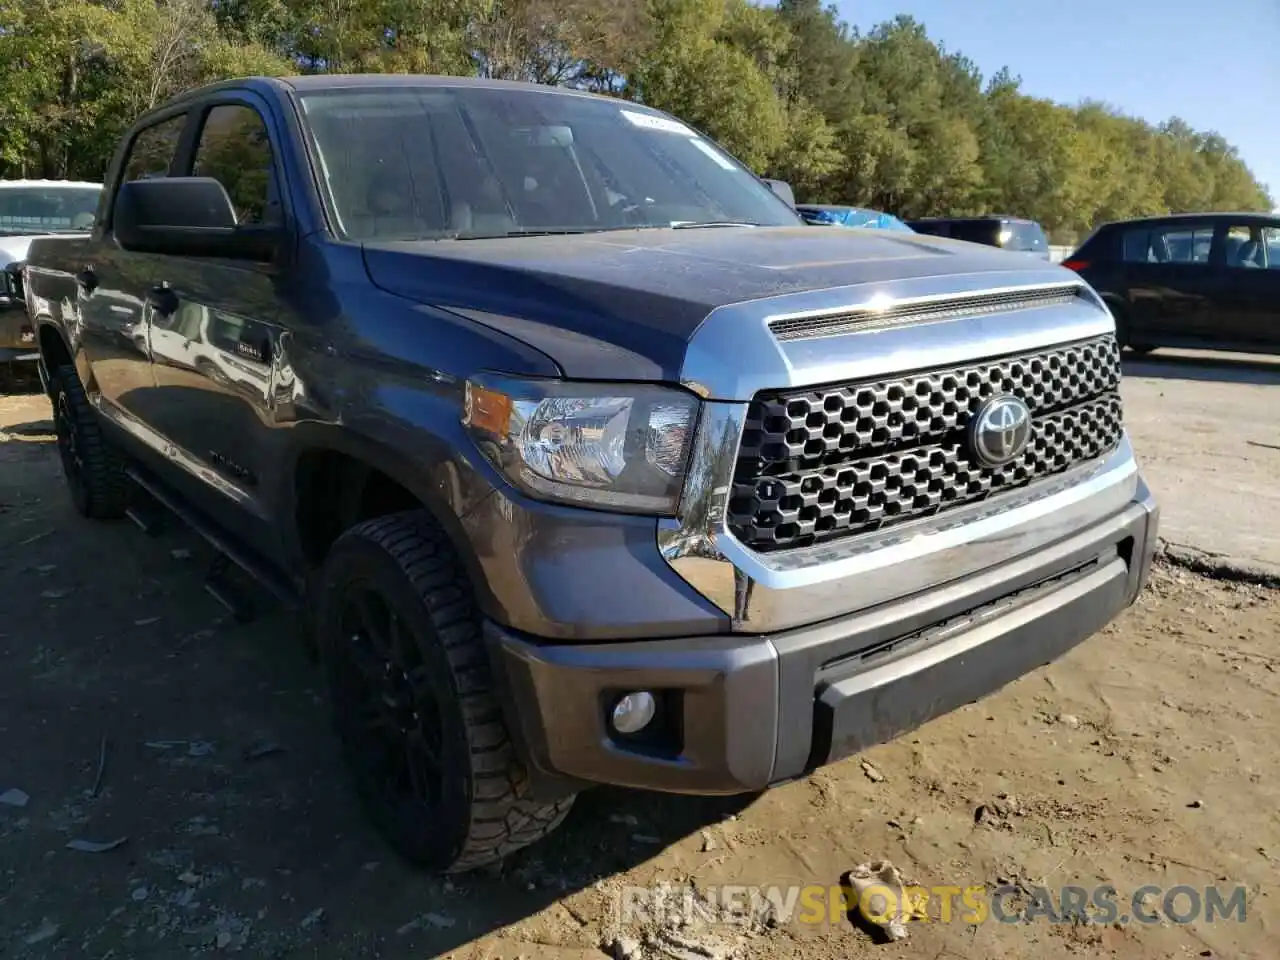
[14, 248]
[623, 305]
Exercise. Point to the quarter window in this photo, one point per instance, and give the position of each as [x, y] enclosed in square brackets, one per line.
[1271, 240]
[153, 148]
[1245, 248]
[235, 150]
[1172, 244]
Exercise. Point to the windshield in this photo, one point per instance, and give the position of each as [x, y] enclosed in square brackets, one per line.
[470, 162]
[47, 209]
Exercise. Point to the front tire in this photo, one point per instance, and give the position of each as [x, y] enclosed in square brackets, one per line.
[94, 469]
[414, 702]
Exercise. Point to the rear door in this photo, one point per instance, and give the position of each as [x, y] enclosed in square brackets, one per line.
[112, 286]
[215, 342]
[1171, 280]
[1246, 311]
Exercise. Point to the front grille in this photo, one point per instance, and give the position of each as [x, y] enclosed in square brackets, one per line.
[834, 461]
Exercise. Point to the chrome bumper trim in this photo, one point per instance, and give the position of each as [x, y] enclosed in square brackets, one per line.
[776, 591]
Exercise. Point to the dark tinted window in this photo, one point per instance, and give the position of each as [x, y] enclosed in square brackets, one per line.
[1172, 243]
[932, 228]
[153, 148]
[234, 149]
[1246, 248]
[976, 231]
[1135, 245]
[436, 162]
[1271, 240]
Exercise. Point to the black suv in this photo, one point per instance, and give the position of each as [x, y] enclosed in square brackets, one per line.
[1007, 233]
[1204, 280]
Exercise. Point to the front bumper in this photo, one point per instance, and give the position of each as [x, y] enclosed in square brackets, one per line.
[742, 712]
[17, 335]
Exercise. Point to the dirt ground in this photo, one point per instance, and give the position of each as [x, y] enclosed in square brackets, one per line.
[1206, 427]
[1141, 758]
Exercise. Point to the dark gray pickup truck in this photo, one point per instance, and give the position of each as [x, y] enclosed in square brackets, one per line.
[583, 459]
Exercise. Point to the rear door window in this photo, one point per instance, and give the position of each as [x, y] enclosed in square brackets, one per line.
[153, 149]
[1175, 243]
[152, 152]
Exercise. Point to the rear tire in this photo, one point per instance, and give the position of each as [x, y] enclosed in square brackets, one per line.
[414, 703]
[94, 469]
[1122, 330]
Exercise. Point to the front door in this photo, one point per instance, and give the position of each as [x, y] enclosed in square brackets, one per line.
[215, 334]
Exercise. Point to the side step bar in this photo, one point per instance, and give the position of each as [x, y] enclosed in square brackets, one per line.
[218, 581]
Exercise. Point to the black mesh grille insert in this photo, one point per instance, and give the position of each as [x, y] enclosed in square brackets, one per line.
[834, 461]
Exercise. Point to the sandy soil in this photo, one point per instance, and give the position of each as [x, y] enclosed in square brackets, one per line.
[1145, 757]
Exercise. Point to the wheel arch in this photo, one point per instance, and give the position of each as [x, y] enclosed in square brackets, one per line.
[336, 478]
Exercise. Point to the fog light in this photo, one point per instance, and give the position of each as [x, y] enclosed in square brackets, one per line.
[27, 335]
[633, 712]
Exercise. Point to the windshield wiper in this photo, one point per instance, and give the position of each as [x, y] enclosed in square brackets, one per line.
[536, 232]
[698, 224]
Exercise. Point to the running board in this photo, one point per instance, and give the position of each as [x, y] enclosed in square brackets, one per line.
[217, 582]
[147, 517]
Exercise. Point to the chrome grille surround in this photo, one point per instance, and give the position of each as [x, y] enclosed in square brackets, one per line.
[735, 357]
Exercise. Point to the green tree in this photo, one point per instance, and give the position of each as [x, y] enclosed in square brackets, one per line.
[891, 119]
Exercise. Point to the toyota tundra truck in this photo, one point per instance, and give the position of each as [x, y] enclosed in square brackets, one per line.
[582, 459]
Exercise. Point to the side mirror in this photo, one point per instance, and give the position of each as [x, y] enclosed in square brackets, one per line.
[11, 289]
[783, 189]
[187, 217]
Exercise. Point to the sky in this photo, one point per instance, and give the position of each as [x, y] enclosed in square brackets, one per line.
[1216, 65]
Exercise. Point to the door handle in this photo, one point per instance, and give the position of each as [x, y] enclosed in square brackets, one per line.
[163, 299]
[87, 279]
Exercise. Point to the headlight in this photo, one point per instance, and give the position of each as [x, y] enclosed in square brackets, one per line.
[613, 446]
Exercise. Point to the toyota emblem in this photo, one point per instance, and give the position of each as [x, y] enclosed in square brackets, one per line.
[1000, 430]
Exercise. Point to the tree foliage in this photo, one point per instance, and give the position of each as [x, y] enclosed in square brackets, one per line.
[889, 119]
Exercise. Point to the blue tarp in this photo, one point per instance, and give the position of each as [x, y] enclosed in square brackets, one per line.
[857, 217]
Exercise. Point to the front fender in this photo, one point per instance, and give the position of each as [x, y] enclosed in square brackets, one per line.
[434, 464]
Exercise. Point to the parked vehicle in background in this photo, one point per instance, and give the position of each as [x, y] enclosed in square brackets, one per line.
[1007, 233]
[1201, 280]
[584, 458]
[850, 217]
[30, 209]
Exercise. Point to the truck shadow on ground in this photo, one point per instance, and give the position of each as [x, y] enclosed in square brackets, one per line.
[18, 382]
[34, 430]
[113, 654]
[1229, 368]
